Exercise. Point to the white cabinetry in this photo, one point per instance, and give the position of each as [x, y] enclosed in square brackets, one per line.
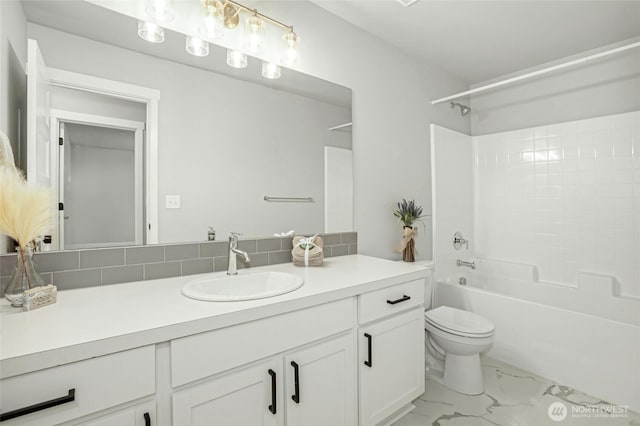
[320, 386]
[75, 390]
[139, 415]
[391, 351]
[247, 397]
[311, 386]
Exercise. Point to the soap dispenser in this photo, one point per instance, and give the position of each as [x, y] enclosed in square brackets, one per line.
[211, 235]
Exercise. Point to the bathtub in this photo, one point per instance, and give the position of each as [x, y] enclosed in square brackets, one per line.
[584, 337]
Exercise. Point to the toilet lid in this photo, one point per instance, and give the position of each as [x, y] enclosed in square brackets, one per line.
[459, 321]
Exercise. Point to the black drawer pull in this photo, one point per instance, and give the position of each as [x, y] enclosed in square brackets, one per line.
[272, 407]
[147, 419]
[39, 406]
[369, 361]
[404, 298]
[296, 382]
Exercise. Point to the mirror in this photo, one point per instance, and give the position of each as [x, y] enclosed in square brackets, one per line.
[159, 146]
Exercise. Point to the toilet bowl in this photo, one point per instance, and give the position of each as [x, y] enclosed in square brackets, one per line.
[455, 338]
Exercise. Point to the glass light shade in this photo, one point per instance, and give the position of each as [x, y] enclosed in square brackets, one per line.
[236, 59]
[150, 32]
[160, 10]
[254, 35]
[197, 47]
[270, 70]
[291, 54]
[211, 26]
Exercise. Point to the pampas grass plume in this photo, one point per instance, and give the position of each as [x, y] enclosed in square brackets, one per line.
[25, 210]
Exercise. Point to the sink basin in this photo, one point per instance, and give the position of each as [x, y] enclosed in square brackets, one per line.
[242, 286]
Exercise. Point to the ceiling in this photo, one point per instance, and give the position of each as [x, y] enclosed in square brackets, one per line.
[480, 40]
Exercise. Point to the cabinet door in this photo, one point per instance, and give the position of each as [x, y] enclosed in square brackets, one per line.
[247, 397]
[391, 357]
[320, 384]
[141, 415]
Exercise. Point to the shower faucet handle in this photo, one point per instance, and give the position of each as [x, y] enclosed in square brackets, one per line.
[458, 241]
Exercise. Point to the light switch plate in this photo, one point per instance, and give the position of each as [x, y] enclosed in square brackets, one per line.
[172, 201]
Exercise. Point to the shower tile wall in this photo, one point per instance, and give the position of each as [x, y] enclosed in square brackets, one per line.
[564, 197]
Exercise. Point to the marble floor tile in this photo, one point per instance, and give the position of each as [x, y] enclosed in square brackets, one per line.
[512, 397]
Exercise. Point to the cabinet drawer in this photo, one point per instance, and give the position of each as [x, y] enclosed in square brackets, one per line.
[98, 383]
[388, 301]
[205, 354]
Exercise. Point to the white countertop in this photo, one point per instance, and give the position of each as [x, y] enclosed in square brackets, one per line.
[95, 321]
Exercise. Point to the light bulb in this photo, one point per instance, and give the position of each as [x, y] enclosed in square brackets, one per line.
[270, 70]
[211, 26]
[150, 32]
[236, 59]
[291, 54]
[160, 10]
[197, 47]
[254, 35]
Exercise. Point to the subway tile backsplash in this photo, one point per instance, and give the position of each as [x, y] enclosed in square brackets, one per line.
[92, 267]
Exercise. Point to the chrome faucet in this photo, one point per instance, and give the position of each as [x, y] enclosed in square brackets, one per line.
[471, 265]
[232, 266]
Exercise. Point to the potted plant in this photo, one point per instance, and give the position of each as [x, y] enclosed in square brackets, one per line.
[25, 214]
[408, 212]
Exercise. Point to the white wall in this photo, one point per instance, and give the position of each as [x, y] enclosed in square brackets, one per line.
[564, 197]
[13, 82]
[604, 87]
[93, 103]
[223, 143]
[452, 177]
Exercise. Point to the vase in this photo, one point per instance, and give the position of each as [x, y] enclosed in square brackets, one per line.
[24, 277]
[409, 252]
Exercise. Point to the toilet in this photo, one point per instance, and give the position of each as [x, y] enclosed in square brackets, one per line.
[454, 340]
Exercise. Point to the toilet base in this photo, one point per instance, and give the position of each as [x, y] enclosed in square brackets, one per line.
[463, 373]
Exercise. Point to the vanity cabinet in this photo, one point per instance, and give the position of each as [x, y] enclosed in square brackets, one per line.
[311, 386]
[139, 415]
[72, 391]
[391, 351]
[246, 397]
[320, 384]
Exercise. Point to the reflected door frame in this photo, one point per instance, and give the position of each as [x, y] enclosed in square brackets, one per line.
[150, 97]
[58, 119]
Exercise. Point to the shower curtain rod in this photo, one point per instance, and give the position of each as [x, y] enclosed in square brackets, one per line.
[580, 61]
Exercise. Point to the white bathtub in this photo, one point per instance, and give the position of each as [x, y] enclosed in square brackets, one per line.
[572, 342]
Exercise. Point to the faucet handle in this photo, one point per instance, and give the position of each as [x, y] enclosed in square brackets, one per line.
[235, 233]
[233, 236]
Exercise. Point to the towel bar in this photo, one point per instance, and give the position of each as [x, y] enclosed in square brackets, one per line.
[289, 199]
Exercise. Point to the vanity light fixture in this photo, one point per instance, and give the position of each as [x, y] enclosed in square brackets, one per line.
[211, 26]
[150, 32]
[197, 47]
[160, 10]
[292, 48]
[270, 70]
[225, 14]
[254, 34]
[236, 59]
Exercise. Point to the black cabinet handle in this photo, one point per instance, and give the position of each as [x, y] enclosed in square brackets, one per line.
[147, 419]
[404, 298]
[39, 406]
[296, 382]
[272, 407]
[369, 361]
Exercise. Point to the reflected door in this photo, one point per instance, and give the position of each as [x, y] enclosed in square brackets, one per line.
[100, 189]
